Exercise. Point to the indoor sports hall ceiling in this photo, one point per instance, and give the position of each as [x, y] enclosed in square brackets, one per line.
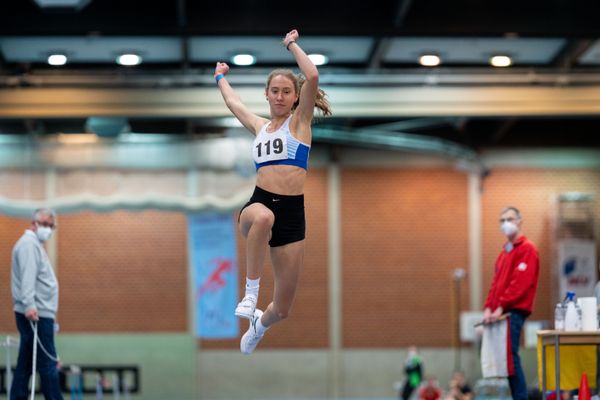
[370, 45]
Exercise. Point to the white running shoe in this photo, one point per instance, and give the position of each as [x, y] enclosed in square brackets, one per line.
[246, 307]
[251, 338]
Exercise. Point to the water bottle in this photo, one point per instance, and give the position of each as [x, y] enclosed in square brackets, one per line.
[559, 317]
[579, 314]
[572, 316]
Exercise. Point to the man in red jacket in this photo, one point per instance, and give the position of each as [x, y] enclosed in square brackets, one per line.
[513, 289]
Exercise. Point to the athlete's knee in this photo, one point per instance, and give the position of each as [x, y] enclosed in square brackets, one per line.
[282, 312]
[263, 219]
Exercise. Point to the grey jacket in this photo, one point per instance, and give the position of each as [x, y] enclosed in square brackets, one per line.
[33, 282]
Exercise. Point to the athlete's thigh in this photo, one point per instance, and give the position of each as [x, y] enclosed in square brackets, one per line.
[249, 215]
[287, 263]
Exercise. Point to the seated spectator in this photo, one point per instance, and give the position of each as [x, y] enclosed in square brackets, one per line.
[459, 389]
[430, 390]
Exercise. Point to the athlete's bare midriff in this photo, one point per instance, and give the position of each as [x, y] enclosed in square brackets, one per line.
[281, 179]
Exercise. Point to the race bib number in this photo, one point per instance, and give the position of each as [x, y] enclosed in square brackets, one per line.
[270, 148]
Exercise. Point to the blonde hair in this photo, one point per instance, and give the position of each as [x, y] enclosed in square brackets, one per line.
[320, 102]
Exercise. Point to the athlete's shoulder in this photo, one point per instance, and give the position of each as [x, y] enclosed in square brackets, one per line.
[261, 125]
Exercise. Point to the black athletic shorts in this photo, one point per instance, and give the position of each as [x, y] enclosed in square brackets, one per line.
[290, 224]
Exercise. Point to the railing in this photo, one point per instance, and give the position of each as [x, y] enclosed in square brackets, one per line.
[6, 374]
[82, 379]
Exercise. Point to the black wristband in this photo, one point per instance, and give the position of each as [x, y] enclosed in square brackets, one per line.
[288, 45]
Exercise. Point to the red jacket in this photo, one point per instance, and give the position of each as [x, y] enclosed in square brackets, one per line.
[516, 278]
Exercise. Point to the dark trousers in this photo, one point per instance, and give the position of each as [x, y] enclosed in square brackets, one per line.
[46, 367]
[407, 391]
[518, 386]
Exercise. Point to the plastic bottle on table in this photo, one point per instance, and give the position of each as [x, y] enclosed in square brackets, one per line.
[572, 315]
[559, 317]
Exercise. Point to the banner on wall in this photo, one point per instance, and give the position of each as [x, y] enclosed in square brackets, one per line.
[577, 267]
[214, 262]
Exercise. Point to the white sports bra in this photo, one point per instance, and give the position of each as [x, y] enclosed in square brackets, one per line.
[279, 147]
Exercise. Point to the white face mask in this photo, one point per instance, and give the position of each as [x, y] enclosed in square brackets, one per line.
[43, 233]
[509, 228]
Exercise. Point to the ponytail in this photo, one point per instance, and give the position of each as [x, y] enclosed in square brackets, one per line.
[320, 102]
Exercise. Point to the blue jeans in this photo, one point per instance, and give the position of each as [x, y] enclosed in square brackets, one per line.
[518, 386]
[47, 368]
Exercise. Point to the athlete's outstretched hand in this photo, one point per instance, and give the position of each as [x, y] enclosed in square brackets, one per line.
[291, 36]
[221, 68]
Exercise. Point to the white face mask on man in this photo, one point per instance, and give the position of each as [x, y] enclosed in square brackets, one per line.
[509, 228]
[43, 233]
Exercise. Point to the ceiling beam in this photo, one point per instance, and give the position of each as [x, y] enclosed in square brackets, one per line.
[184, 39]
[566, 59]
[31, 102]
[382, 44]
[503, 130]
[399, 141]
[328, 77]
[414, 124]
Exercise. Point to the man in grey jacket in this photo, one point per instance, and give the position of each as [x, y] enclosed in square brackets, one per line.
[35, 299]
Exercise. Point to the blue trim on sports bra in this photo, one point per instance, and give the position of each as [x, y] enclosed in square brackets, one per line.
[297, 152]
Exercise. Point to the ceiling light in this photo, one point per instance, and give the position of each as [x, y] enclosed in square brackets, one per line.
[500, 61]
[107, 126]
[57, 59]
[429, 60]
[77, 138]
[318, 59]
[243, 59]
[129, 59]
[74, 4]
